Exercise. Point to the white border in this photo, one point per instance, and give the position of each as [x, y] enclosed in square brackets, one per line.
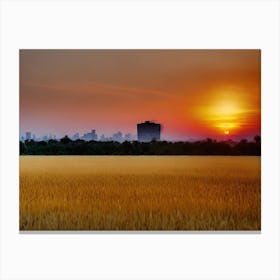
[139, 24]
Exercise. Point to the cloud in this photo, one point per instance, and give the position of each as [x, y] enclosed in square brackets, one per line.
[102, 88]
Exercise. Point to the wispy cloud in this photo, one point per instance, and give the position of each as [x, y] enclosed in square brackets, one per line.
[95, 87]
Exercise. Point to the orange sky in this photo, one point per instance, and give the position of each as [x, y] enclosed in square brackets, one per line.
[192, 93]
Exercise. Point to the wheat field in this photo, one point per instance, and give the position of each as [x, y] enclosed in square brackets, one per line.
[140, 193]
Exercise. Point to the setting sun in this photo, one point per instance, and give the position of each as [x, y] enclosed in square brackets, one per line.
[227, 111]
[226, 127]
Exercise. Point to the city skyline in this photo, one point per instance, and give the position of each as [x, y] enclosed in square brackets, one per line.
[194, 94]
[87, 136]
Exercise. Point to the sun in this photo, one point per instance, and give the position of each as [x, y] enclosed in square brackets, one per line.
[226, 128]
[225, 113]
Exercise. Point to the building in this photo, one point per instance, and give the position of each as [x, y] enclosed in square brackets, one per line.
[90, 136]
[117, 137]
[128, 137]
[28, 135]
[148, 131]
[103, 138]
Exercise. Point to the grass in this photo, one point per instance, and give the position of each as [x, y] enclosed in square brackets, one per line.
[140, 193]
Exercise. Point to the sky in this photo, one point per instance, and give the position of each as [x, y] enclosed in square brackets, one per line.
[193, 94]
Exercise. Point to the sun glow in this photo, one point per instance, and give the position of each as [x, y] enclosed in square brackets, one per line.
[224, 114]
[226, 128]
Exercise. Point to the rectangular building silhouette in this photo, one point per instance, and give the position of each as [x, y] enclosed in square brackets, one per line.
[148, 131]
[28, 135]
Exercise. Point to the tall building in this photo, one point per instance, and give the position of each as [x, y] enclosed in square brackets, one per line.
[90, 136]
[94, 135]
[28, 135]
[117, 137]
[148, 131]
[103, 138]
[128, 137]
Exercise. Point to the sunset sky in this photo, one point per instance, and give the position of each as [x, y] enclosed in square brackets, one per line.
[193, 93]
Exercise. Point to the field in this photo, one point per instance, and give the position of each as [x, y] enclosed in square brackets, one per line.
[140, 193]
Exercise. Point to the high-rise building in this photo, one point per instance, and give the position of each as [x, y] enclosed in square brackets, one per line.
[28, 135]
[90, 136]
[103, 138]
[128, 137]
[94, 135]
[148, 131]
[117, 137]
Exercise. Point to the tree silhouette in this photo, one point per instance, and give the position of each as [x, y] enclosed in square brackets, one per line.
[80, 147]
[65, 140]
[257, 139]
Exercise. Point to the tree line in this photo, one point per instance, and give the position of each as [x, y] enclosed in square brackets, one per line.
[66, 146]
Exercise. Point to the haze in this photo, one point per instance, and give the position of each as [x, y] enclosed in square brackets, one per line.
[192, 93]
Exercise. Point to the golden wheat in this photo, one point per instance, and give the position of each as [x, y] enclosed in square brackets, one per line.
[140, 193]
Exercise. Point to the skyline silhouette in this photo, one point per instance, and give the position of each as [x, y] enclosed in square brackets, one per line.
[194, 94]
